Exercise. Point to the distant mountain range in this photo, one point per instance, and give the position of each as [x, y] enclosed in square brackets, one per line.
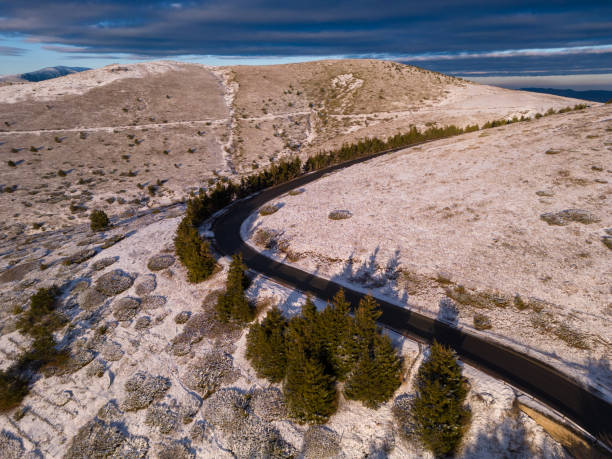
[594, 95]
[51, 72]
[43, 74]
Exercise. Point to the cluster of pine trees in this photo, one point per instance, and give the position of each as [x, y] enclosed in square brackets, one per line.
[311, 352]
[370, 146]
[232, 304]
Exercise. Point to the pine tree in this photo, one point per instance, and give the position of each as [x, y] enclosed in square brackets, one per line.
[233, 304]
[377, 375]
[338, 329]
[194, 252]
[438, 409]
[310, 392]
[307, 331]
[266, 346]
[366, 315]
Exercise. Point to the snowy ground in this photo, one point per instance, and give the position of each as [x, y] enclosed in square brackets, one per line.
[467, 212]
[59, 406]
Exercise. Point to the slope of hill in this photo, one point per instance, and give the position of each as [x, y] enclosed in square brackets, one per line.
[150, 133]
[150, 370]
[508, 230]
[592, 95]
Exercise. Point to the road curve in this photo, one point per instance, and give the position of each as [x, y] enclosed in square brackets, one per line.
[560, 392]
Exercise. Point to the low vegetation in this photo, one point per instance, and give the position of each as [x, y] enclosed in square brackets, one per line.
[98, 220]
[310, 353]
[38, 322]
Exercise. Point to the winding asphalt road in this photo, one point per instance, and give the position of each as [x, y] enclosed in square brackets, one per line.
[585, 407]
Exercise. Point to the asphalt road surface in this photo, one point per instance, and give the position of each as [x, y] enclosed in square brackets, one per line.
[570, 398]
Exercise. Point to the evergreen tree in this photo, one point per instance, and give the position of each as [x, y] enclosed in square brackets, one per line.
[438, 409]
[233, 304]
[366, 316]
[194, 252]
[310, 392]
[378, 371]
[266, 346]
[338, 328]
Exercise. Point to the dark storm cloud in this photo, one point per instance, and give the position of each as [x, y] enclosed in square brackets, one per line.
[275, 28]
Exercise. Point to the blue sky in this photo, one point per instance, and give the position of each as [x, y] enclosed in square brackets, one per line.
[493, 39]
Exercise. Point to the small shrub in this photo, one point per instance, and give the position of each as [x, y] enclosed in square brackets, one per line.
[11, 163]
[268, 210]
[339, 215]
[98, 220]
[519, 303]
[482, 322]
[61, 173]
[13, 389]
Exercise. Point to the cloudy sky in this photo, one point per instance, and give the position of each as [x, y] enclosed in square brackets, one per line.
[501, 38]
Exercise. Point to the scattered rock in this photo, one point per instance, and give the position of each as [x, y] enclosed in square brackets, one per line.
[207, 373]
[198, 432]
[96, 439]
[142, 323]
[11, 446]
[79, 257]
[142, 389]
[134, 447]
[112, 351]
[77, 360]
[402, 414]
[60, 398]
[268, 404]
[545, 193]
[146, 285]
[190, 406]
[17, 273]
[180, 348]
[566, 216]
[97, 369]
[114, 282]
[91, 299]
[80, 287]
[320, 442]
[159, 262]
[182, 317]
[244, 434]
[126, 308]
[150, 302]
[162, 417]
[176, 449]
[99, 265]
[110, 412]
[111, 241]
